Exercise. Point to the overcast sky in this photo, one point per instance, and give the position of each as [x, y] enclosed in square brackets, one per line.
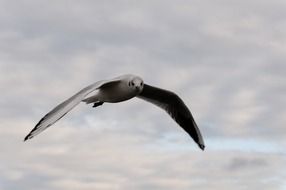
[225, 58]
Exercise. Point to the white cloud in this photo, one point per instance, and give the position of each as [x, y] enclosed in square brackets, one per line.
[224, 58]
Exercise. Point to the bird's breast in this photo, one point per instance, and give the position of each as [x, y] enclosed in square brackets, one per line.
[116, 93]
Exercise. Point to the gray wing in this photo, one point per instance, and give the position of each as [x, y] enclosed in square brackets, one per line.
[63, 108]
[176, 108]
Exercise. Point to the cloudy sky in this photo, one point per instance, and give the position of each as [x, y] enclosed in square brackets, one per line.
[225, 58]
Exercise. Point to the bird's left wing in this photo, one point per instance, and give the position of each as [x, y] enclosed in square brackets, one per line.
[63, 108]
[176, 108]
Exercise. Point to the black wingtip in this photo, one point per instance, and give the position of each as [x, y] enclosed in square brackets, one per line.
[202, 146]
[27, 137]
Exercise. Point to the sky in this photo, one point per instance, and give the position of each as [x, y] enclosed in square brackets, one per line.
[224, 58]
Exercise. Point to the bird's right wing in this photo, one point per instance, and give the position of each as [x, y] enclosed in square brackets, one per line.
[176, 108]
[63, 108]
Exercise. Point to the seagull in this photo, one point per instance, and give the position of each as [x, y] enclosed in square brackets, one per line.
[120, 89]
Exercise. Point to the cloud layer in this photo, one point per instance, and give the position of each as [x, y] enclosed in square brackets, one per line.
[224, 58]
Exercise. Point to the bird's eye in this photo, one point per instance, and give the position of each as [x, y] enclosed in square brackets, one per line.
[132, 83]
[141, 83]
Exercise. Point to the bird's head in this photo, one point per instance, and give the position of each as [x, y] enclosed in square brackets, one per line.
[136, 83]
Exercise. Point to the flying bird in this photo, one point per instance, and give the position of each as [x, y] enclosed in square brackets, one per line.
[120, 89]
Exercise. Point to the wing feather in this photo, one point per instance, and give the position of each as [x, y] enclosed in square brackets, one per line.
[62, 109]
[175, 107]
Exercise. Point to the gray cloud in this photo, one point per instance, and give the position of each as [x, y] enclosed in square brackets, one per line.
[240, 164]
[224, 58]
